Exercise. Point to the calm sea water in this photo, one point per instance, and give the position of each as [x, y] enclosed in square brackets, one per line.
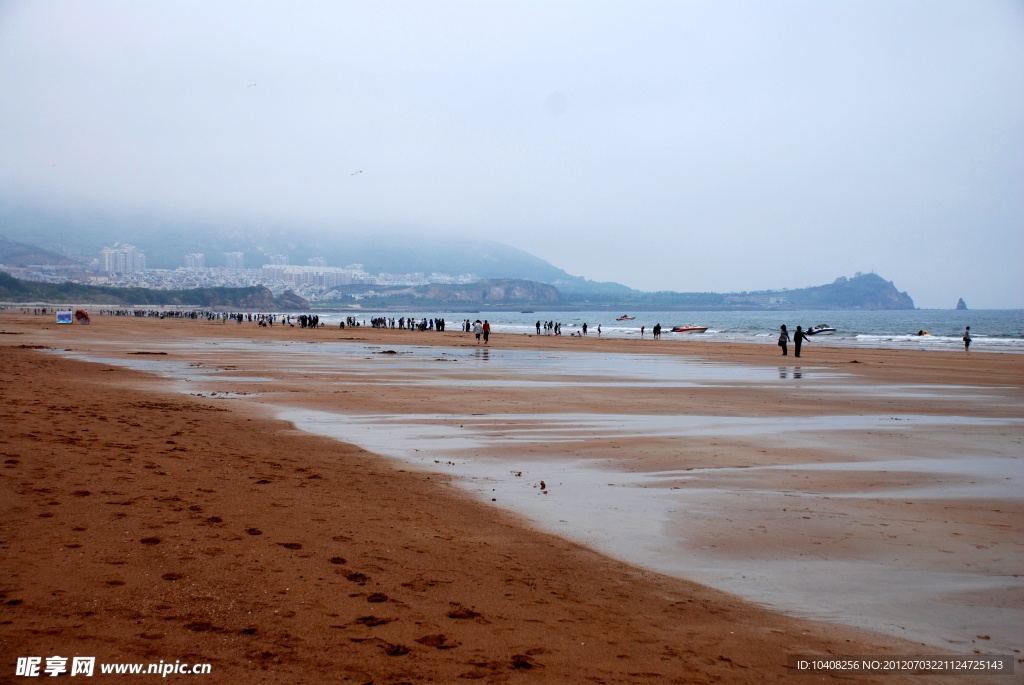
[992, 330]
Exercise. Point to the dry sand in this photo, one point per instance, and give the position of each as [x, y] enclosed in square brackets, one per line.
[129, 514]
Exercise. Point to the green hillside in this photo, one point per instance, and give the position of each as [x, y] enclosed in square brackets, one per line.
[253, 298]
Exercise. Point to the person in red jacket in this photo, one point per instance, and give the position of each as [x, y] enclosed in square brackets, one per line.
[487, 331]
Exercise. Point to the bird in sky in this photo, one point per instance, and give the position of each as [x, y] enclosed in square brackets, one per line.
[250, 85]
[358, 172]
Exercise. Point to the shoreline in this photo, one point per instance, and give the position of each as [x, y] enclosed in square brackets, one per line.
[762, 332]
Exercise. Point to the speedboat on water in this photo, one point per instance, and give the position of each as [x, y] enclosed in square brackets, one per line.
[689, 328]
[625, 318]
[821, 329]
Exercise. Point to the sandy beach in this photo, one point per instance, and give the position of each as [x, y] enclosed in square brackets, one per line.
[389, 506]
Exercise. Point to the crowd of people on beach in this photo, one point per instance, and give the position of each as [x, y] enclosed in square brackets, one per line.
[550, 328]
[161, 314]
[401, 323]
[481, 329]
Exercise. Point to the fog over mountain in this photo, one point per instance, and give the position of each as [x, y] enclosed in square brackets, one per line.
[666, 145]
[165, 245]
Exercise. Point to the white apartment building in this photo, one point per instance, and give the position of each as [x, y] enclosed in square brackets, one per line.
[195, 261]
[279, 259]
[322, 276]
[317, 261]
[108, 260]
[121, 260]
[234, 260]
[755, 299]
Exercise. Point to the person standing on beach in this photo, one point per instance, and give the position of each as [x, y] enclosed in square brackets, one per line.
[783, 340]
[599, 330]
[487, 331]
[967, 339]
[538, 327]
[584, 328]
[477, 330]
[798, 338]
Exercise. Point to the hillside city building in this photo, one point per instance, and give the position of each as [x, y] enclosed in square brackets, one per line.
[121, 260]
[124, 266]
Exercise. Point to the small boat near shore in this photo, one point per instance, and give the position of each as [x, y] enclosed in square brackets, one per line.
[689, 328]
[821, 329]
[625, 318]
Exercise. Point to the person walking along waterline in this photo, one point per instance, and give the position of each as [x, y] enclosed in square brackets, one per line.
[783, 340]
[487, 331]
[798, 338]
[478, 328]
[967, 339]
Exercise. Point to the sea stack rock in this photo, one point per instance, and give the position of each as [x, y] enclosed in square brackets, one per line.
[960, 304]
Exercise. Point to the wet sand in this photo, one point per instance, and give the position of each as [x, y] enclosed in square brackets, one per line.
[544, 407]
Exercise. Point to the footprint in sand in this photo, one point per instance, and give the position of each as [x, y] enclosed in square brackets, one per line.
[438, 641]
[395, 650]
[524, 662]
[462, 613]
[372, 621]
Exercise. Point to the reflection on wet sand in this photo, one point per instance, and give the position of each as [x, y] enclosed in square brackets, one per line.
[889, 506]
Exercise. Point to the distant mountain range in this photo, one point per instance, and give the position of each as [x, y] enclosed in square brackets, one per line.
[519, 276]
[22, 254]
[864, 291]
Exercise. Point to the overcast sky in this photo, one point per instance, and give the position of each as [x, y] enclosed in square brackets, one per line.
[686, 146]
